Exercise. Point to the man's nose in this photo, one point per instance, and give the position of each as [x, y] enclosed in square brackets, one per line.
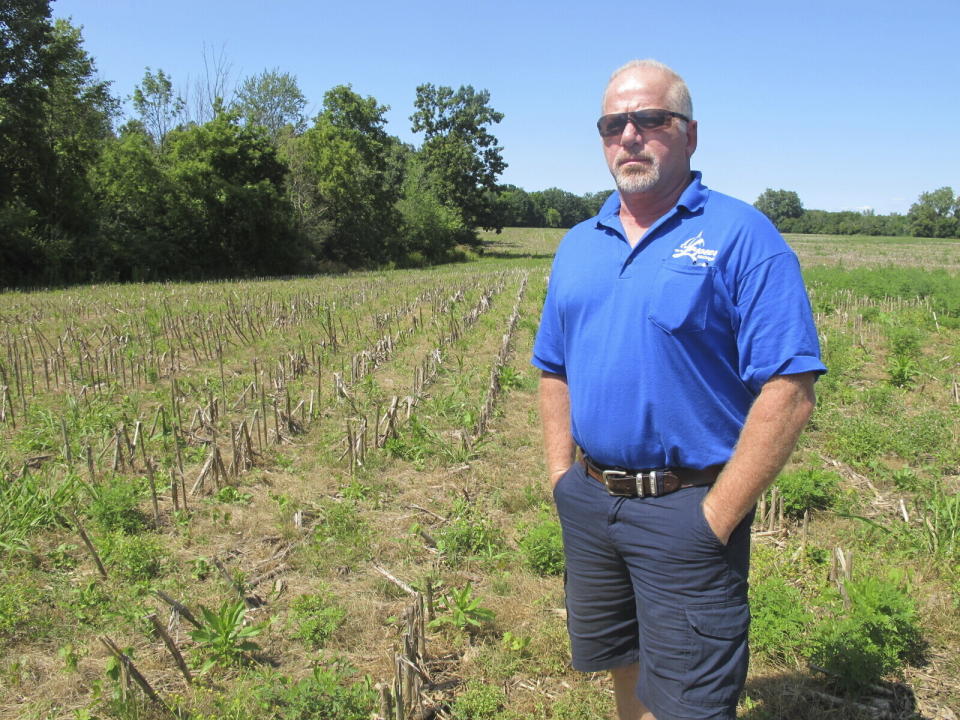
[630, 135]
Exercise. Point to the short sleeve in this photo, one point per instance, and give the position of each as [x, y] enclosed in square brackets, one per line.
[548, 348]
[776, 334]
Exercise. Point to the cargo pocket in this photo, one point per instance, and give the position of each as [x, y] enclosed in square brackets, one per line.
[717, 665]
[683, 294]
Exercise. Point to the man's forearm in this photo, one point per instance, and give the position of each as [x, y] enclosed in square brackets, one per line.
[768, 438]
[555, 415]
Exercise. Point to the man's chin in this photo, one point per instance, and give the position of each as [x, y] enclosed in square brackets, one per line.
[635, 182]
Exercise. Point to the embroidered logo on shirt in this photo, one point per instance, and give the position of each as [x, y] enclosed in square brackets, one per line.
[694, 249]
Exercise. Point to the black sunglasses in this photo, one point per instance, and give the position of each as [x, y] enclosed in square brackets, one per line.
[613, 125]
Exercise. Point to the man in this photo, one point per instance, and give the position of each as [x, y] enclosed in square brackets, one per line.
[678, 352]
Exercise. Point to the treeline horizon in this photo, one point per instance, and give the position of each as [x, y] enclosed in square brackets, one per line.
[936, 214]
[212, 182]
[218, 182]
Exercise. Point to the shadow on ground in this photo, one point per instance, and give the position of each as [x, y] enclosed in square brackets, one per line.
[795, 696]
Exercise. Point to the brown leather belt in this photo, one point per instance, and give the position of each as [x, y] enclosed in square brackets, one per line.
[649, 483]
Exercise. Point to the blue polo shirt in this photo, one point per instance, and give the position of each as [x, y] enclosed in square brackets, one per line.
[666, 345]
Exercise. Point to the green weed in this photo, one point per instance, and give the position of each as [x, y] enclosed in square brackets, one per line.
[326, 693]
[133, 557]
[542, 547]
[874, 637]
[479, 701]
[903, 371]
[315, 618]
[940, 529]
[231, 494]
[807, 489]
[224, 638]
[115, 505]
[28, 505]
[469, 533]
[779, 620]
[14, 605]
[341, 535]
[462, 611]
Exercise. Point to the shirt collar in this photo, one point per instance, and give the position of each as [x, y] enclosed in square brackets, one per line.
[693, 197]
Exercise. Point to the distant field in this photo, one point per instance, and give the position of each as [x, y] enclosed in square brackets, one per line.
[298, 457]
[843, 250]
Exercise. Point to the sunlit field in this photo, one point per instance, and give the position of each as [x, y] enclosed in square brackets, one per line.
[325, 498]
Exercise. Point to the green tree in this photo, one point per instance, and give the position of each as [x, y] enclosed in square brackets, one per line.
[54, 115]
[594, 201]
[157, 105]
[571, 208]
[935, 214]
[462, 157]
[353, 181]
[229, 206]
[517, 209]
[272, 100]
[779, 205]
[430, 229]
[136, 202]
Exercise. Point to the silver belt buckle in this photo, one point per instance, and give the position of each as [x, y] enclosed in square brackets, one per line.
[607, 474]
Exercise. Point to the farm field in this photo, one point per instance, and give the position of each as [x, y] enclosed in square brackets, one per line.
[308, 498]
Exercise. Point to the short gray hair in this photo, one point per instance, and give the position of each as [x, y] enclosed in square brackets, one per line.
[678, 96]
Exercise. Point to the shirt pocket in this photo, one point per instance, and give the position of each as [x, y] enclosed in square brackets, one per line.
[681, 298]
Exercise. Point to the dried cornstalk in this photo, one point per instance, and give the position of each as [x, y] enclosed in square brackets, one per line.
[131, 669]
[171, 647]
[90, 548]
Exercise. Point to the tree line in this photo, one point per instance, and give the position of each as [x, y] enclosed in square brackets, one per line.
[935, 214]
[212, 182]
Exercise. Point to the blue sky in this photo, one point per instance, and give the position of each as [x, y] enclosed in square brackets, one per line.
[848, 103]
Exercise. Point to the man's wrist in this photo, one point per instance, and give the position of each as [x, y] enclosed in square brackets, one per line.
[720, 525]
[556, 474]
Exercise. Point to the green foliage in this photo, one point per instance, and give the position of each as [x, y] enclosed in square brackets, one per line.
[939, 287]
[54, 113]
[542, 547]
[479, 701]
[135, 558]
[346, 162]
[430, 229]
[512, 379]
[315, 618]
[114, 672]
[326, 693]
[88, 602]
[417, 442]
[906, 479]
[904, 341]
[468, 533]
[903, 371]
[779, 620]
[231, 494]
[463, 610]
[940, 531]
[272, 100]
[874, 637]
[779, 205]
[341, 535]
[224, 638]
[115, 505]
[935, 214]
[157, 105]
[462, 157]
[29, 504]
[807, 489]
[14, 605]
